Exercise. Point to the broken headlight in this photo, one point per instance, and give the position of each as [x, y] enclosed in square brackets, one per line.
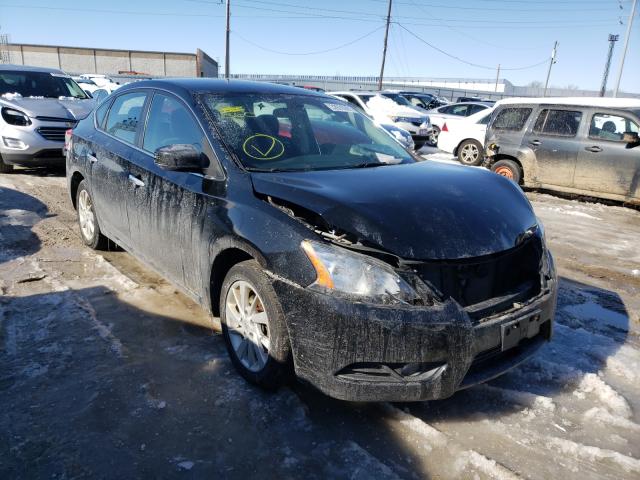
[356, 275]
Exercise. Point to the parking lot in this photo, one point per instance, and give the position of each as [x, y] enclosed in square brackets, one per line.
[109, 371]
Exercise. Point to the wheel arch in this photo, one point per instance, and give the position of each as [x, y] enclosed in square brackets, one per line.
[226, 257]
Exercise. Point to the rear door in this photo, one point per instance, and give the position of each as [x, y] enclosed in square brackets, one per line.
[168, 208]
[109, 156]
[553, 138]
[605, 165]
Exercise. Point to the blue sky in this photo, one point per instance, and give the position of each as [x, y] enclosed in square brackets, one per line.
[513, 33]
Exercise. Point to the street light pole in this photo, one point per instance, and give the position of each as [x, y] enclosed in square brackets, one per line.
[626, 45]
[612, 41]
[551, 62]
[497, 78]
[226, 47]
[384, 50]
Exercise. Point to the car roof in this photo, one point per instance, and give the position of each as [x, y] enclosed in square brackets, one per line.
[484, 104]
[215, 85]
[27, 68]
[605, 102]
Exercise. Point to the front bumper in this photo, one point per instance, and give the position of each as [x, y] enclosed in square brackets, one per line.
[36, 149]
[360, 352]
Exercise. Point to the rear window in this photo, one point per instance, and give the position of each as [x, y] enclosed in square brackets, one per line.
[512, 119]
[563, 123]
[124, 116]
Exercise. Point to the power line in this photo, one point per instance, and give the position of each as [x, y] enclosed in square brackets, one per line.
[317, 52]
[486, 67]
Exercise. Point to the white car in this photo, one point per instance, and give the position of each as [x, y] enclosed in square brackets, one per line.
[384, 111]
[454, 110]
[464, 136]
[102, 81]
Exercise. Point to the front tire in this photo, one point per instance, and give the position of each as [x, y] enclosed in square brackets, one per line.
[470, 153]
[508, 169]
[5, 167]
[87, 219]
[253, 326]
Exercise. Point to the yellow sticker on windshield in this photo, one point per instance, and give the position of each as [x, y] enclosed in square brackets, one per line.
[232, 111]
[263, 147]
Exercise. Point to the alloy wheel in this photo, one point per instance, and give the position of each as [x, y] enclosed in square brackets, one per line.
[86, 215]
[248, 325]
[469, 153]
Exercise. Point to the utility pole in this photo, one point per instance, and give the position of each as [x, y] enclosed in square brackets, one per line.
[497, 78]
[551, 62]
[384, 50]
[226, 47]
[626, 45]
[612, 41]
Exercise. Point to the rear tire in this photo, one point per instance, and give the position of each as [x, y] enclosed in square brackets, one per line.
[87, 219]
[253, 326]
[508, 169]
[470, 153]
[4, 167]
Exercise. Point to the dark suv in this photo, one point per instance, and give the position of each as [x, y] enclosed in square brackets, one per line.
[325, 247]
[575, 145]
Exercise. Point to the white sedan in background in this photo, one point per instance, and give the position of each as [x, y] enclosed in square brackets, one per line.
[102, 81]
[464, 136]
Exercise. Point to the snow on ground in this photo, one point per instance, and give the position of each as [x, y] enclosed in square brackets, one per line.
[107, 370]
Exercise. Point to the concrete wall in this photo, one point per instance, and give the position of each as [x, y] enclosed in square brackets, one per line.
[112, 62]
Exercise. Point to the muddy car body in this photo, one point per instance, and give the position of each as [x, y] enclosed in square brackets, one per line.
[584, 146]
[370, 283]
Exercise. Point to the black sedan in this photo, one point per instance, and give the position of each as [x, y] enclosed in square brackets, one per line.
[325, 248]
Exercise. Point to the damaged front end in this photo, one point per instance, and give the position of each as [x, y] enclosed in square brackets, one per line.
[377, 327]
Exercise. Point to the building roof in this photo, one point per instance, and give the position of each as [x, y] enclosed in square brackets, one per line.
[605, 102]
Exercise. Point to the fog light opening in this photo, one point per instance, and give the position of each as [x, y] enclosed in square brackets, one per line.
[14, 143]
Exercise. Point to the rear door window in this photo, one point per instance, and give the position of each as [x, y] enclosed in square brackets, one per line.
[512, 119]
[124, 116]
[562, 123]
[611, 127]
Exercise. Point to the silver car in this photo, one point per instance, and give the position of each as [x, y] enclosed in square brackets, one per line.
[37, 107]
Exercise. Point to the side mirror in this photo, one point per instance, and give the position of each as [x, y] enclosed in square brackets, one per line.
[181, 157]
[631, 139]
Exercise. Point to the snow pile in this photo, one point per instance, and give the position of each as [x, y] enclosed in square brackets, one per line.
[613, 401]
[385, 106]
[594, 454]
[526, 399]
[601, 415]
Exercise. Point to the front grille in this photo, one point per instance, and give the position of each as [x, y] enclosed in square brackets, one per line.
[58, 119]
[489, 284]
[55, 134]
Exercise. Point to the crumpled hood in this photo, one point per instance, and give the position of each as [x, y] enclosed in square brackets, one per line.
[416, 211]
[75, 109]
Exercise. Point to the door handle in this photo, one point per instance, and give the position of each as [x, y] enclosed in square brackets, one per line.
[535, 143]
[594, 149]
[92, 157]
[136, 181]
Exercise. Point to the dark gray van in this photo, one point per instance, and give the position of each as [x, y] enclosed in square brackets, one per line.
[574, 145]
